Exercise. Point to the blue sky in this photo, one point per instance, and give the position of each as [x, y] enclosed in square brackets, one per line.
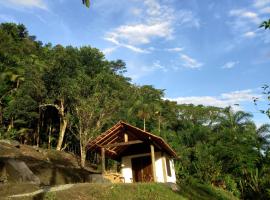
[201, 51]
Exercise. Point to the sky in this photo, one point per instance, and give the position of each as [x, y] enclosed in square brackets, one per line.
[200, 51]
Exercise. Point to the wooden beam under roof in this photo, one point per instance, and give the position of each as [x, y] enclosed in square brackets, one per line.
[123, 143]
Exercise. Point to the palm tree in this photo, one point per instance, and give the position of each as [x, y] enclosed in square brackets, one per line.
[235, 121]
[86, 3]
[263, 134]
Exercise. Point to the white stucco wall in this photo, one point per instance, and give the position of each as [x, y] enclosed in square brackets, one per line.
[159, 170]
[126, 168]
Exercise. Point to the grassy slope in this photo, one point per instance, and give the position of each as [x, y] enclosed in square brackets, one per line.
[59, 168]
[143, 191]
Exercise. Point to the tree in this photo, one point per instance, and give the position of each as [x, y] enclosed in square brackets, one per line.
[97, 107]
[265, 24]
[86, 3]
[147, 103]
[266, 94]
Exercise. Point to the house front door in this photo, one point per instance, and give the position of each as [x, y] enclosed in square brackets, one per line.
[142, 169]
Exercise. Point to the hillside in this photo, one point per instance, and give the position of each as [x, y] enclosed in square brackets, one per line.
[62, 178]
[90, 191]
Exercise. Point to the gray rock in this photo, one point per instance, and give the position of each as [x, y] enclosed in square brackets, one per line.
[98, 178]
[11, 142]
[18, 171]
[173, 186]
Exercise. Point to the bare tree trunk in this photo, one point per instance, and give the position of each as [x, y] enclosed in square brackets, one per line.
[50, 135]
[83, 154]
[63, 125]
[11, 125]
[144, 123]
[82, 144]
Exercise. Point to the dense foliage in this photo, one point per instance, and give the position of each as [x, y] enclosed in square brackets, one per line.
[55, 97]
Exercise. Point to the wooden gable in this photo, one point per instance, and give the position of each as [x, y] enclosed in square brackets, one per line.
[124, 139]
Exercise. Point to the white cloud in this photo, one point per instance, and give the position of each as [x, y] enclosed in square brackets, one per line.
[156, 23]
[176, 49]
[245, 22]
[139, 70]
[226, 99]
[249, 34]
[229, 64]
[153, 20]
[131, 47]
[141, 33]
[245, 15]
[261, 3]
[190, 62]
[109, 50]
[265, 10]
[136, 11]
[158, 66]
[187, 18]
[26, 3]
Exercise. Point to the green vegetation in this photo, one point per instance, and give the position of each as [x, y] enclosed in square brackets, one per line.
[139, 192]
[60, 97]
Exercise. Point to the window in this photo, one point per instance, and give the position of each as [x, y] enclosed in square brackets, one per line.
[169, 173]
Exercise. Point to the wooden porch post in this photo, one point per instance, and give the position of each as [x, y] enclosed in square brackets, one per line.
[153, 162]
[126, 137]
[103, 160]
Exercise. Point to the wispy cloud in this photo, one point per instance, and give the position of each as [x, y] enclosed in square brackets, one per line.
[246, 15]
[245, 21]
[249, 34]
[139, 70]
[109, 50]
[158, 66]
[176, 49]
[152, 20]
[25, 3]
[230, 64]
[157, 23]
[189, 62]
[223, 100]
[261, 3]
[128, 46]
[140, 33]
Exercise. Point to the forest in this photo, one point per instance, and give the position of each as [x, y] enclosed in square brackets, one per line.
[60, 97]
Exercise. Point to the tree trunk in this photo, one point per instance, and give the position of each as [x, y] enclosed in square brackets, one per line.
[144, 123]
[63, 126]
[50, 135]
[83, 154]
[11, 125]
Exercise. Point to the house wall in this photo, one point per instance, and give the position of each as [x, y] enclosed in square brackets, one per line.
[126, 168]
[171, 178]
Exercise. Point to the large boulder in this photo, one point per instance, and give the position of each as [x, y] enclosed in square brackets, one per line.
[18, 171]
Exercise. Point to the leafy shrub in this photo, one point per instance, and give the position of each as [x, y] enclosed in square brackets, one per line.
[231, 185]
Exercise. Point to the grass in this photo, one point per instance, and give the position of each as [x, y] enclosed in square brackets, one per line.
[139, 191]
[205, 192]
[53, 168]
